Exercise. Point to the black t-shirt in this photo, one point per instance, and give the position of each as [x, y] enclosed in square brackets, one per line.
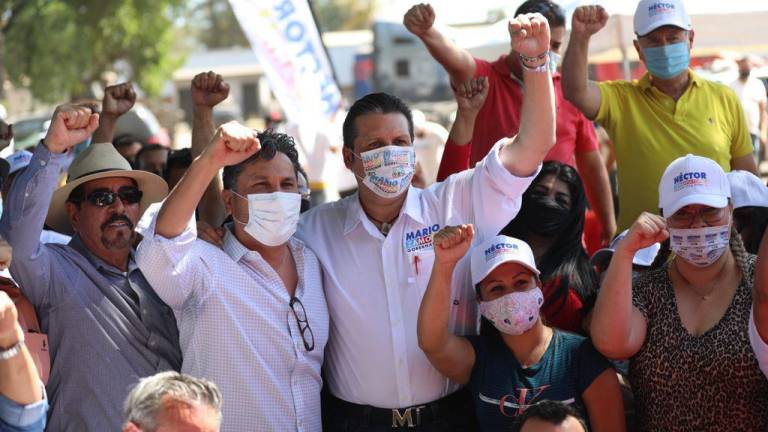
[502, 389]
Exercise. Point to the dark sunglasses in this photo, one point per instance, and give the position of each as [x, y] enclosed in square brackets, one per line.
[301, 320]
[104, 198]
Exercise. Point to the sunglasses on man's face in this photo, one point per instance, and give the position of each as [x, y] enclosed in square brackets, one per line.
[104, 197]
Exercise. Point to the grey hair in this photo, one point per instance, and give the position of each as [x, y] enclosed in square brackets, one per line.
[145, 401]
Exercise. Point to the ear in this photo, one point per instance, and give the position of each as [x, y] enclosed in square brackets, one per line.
[639, 50]
[131, 427]
[227, 197]
[349, 157]
[74, 214]
[691, 35]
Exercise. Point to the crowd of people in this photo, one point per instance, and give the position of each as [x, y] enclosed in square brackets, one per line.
[203, 289]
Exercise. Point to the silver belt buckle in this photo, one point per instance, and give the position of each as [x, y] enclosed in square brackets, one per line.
[406, 418]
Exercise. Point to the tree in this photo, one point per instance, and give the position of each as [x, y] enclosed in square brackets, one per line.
[335, 15]
[59, 48]
[215, 25]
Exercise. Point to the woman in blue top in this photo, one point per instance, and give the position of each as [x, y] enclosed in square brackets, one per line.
[527, 361]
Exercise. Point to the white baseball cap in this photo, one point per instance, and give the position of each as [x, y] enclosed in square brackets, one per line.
[19, 160]
[497, 251]
[747, 190]
[652, 14]
[693, 180]
[644, 257]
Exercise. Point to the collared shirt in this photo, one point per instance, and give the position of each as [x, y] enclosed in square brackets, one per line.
[500, 116]
[23, 418]
[101, 340]
[649, 130]
[374, 284]
[237, 327]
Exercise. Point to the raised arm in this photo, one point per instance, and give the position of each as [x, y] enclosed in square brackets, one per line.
[470, 97]
[30, 196]
[458, 62]
[598, 188]
[452, 355]
[577, 88]
[524, 153]
[618, 327]
[232, 144]
[208, 90]
[118, 100]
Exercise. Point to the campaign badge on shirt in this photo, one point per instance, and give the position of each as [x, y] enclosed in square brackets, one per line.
[421, 239]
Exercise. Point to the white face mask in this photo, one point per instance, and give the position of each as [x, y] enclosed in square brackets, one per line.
[514, 313]
[388, 170]
[272, 217]
[700, 246]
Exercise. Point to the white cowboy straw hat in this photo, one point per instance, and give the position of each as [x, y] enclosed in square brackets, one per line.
[96, 162]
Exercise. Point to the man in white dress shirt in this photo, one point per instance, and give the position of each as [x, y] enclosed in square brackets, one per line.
[376, 251]
[252, 315]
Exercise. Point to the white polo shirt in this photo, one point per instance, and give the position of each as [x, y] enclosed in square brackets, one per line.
[374, 284]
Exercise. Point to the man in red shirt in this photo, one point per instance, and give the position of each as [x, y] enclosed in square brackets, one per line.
[500, 115]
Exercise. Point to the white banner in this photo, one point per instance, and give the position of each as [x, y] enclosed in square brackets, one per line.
[284, 36]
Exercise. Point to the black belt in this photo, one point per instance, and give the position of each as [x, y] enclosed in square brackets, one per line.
[409, 417]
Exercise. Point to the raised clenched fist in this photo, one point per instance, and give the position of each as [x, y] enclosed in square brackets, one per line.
[471, 94]
[647, 230]
[232, 144]
[452, 243]
[10, 330]
[71, 124]
[529, 34]
[588, 20]
[118, 100]
[208, 89]
[419, 19]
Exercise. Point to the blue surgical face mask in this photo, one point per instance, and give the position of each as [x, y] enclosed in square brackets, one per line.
[667, 61]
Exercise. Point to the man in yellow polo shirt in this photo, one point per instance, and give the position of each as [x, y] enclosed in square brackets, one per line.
[668, 113]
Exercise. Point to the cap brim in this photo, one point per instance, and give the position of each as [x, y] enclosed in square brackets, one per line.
[153, 187]
[476, 281]
[717, 201]
[645, 31]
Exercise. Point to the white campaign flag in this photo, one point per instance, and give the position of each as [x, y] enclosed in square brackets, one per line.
[285, 38]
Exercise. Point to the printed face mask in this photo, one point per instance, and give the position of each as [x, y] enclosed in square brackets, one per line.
[388, 170]
[667, 61]
[272, 217]
[514, 313]
[700, 246]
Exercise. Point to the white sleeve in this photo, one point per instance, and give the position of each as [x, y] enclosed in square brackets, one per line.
[758, 344]
[488, 196]
[172, 266]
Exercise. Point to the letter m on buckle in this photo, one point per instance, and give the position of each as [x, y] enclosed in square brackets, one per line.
[406, 419]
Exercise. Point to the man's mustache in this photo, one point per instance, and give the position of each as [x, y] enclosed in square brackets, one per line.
[117, 218]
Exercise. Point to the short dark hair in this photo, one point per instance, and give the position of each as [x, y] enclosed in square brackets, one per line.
[552, 11]
[126, 139]
[549, 411]
[380, 103]
[181, 158]
[271, 143]
[151, 147]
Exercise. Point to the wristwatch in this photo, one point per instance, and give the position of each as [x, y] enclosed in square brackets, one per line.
[12, 352]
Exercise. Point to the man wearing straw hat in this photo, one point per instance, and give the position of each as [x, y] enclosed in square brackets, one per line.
[106, 326]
